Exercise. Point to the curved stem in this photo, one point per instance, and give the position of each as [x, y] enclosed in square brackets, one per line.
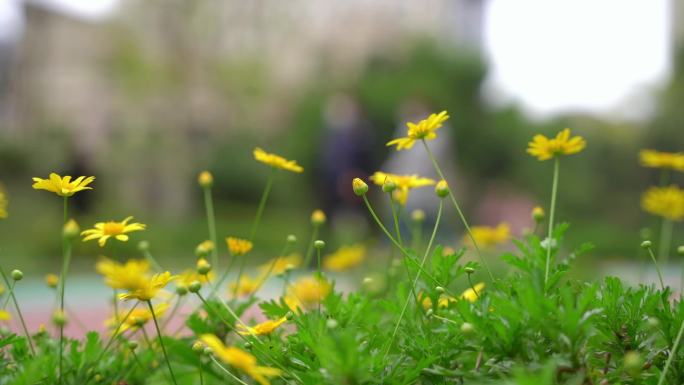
[227, 371]
[21, 317]
[458, 210]
[663, 376]
[415, 280]
[655, 262]
[395, 218]
[116, 331]
[161, 341]
[309, 249]
[211, 224]
[552, 211]
[665, 241]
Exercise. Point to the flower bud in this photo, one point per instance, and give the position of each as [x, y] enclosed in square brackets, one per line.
[680, 250]
[17, 275]
[646, 244]
[194, 286]
[197, 347]
[59, 318]
[203, 249]
[389, 185]
[143, 246]
[469, 270]
[331, 323]
[203, 266]
[133, 345]
[442, 189]
[653, 323]
[429, 313]
[98, 378]
[205, 179]
[632, 362]
[319, 244]
[291, 239]
[208, 351]
[439, 289]
[318, 217]
[52, 280]
[538, 214]
[71, 230]
[181, 290]
[467, 328]
[418, 215]
[360, 187]
[248, 345]
[289, 315]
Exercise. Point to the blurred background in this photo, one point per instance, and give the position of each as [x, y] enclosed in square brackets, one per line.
[145, 94]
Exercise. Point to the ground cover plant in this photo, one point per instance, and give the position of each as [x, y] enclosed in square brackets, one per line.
[435, 315]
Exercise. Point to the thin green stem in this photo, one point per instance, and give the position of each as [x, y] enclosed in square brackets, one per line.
[552, 212]
[211, 224]
[445, 319]
[153, 261]
[227, 371]
[21, 317]
[415, 280]
[665, 241]
[174, 310]
[458, 210]
[161, 341]
[116, 331]
[11, 290]
[310, 247]
[62, 284]
[319, 275]
[655, 262]
[472, 287]
[395, 218]
[265, 277]
[199, 366]
[673, 353]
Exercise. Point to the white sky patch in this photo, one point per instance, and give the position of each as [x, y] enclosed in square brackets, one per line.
[596, 56]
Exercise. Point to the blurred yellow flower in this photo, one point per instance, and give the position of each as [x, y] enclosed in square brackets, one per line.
[52, 280]
[345, 258]
[262, 329]
[239, 359]
[281, 264]
[538, 214]
[204, 248]
[276, 161]
[5, 316]
[666, 202]
[245, 287]
[149, 288]
[318, 217]
[190, 275]
[3, 203]
[2, 289]
[205, 179]
[307, 292]
[544, 148]
[404, 183]
[126, 276]
[238, 246]
[63, 186]
[443, 301]
[666, 160]
[104, 230]
[425, 129]
[137, 318]
[471, 295]
[487, 236]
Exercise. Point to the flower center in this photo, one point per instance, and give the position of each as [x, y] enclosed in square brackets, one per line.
[113, 228]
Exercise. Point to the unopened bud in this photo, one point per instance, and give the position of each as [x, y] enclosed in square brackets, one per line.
[429, 313]
[469, 270]
[442, 189]
[248, 345]
[205, 179]
[680, 250]
[208, 351]
[319, 244]
[289, 315]
[646, 244]
[360, 187]
[194, 286]
[632, 363]
[203, 266]
[331, 323]
[439, 289]
[418, 215]
[467, 328]
[59, 318]
[538, 214]
[291, 239]
[17, 275]
[203, 249]
[318, 217]
[197, 347]
[181, 290]
[71, 230]
[133, 345]
[52, 280]
[389, 185]
[143, 246]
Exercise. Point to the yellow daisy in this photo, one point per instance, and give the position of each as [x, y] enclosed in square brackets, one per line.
[191, 275]
[262, 329]
[345, 258]
[245, 287]
[63, 186]
[666, 202]
[149, 288]
[127, 276]
[307, 292]
[443, 301]
[404, 183]
[487, 236]
[5, 316]
[238, 246]
[544, 148]
[473, 293]
[239, 359]
[105, 230]
[423, 130]
[666, 160]
[276, 161]
[281, 264]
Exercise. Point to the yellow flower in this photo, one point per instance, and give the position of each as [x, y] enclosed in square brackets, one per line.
[471, 295]
[281, 264]
[657, 159]
[486, 236]
[104, 230]
[425, 129]
[346, 257]
[318, 217]
[190, 275]
[3, 203]
[443, 301]
[137, 318]
[404, 183]
[667, 202]
[307, 292]
[544, 148]
[204, 248]
[52, 280]
[238, 246]
[276, 161]
[63, 186]
[149, 288]
[538, 214]
[245, 287]
[5, 315]
[126, 276]
[205, 179]
[262, 329]
[240, 359]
